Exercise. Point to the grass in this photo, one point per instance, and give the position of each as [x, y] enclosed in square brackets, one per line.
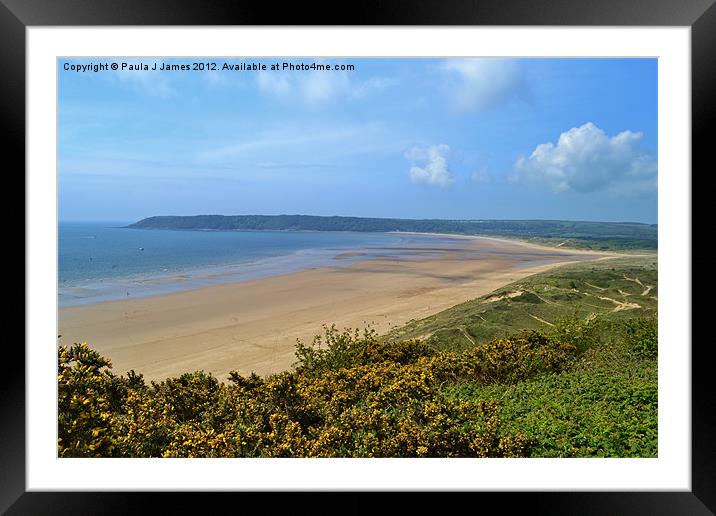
[615, 289]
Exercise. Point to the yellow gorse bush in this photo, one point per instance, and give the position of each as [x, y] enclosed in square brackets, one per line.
[349, 395]
[83, 404]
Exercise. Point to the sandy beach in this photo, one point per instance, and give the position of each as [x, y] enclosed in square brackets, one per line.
[253, 325]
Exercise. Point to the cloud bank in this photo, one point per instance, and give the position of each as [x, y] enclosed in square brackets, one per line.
[585, 159]
[478, 84]
[433, 169]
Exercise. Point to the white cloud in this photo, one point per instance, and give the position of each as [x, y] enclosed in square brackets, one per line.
[314, 86]
[434, 167]
[307, 87]
[585, 159]
[477, 84]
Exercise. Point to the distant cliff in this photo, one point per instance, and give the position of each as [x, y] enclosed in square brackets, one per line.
[604, 235]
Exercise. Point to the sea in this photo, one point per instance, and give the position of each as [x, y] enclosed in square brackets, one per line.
[104, 261]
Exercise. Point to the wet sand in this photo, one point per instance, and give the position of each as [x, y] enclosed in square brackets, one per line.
[253, 325]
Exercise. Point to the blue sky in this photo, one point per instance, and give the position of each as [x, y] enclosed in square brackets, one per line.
[411, 138]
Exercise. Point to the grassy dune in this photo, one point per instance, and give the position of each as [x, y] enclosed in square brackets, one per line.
[614, 289]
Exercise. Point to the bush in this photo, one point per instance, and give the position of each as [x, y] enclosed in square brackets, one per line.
[641, 335]
[335, 350]
[84, 425]
[350, 395]
[581, 333]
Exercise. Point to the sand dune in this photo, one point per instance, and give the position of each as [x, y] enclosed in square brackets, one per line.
[253, 325]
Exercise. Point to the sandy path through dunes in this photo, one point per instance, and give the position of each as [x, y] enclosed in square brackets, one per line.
[253, 325]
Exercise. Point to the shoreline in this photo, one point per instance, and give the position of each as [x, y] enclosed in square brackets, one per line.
[144, 286]
[150, 283]
[253, 325]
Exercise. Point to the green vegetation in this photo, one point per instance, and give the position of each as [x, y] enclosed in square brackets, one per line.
[586, 235]
[603, 405]
[357, 397]
[579, 379]
[615, 289]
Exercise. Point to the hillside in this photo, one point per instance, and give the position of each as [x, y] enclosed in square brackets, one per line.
[605, 402]
[590, 235]
[615, 289]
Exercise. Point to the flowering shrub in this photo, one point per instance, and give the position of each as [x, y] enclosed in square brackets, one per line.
[336, 349]
[83, 404]
[350, 395]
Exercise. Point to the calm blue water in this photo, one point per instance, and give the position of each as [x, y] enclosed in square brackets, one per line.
[105, 261]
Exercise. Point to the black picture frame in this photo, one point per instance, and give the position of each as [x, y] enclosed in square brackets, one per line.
[17, 15]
